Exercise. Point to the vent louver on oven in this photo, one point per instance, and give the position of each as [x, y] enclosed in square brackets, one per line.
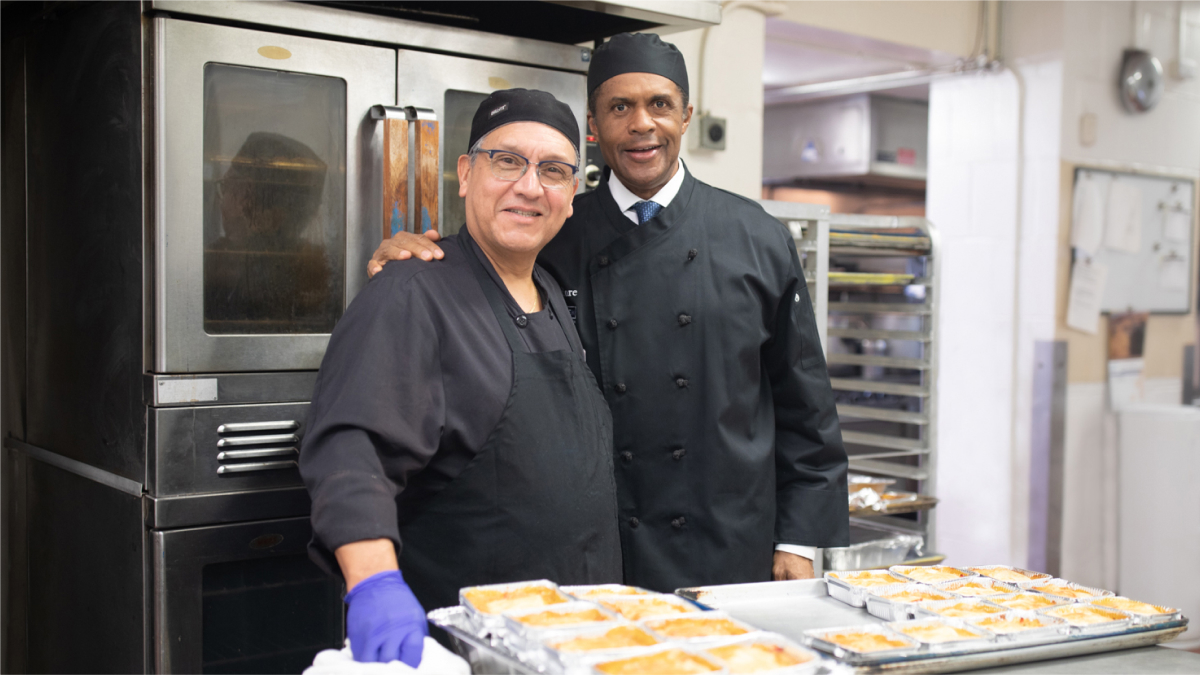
[257, 446]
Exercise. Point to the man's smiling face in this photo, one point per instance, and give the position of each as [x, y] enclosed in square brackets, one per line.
[639, 120]
[519, 217]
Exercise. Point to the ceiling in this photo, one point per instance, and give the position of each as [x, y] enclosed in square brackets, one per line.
[798, 55]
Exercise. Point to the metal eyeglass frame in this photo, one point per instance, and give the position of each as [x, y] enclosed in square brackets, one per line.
[528, 163]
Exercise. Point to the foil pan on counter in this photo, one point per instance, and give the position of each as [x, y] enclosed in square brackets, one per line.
[873, 545]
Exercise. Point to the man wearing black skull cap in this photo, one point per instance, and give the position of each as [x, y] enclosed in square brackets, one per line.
[693, 310]
[454, 413]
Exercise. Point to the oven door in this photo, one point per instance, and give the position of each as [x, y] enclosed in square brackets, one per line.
[452, 88]
[242, 598]
[267, 183]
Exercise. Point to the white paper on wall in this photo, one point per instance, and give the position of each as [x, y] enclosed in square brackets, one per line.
[1126, 386]
[1087, 223]
[1176, 226]
[1123, 217]
[1173, 273]
[1087, 288]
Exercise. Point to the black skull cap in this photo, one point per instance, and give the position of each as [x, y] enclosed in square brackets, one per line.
[636, 53]
[523, 105]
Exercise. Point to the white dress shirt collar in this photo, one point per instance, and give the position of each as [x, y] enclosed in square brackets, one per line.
[626, 199]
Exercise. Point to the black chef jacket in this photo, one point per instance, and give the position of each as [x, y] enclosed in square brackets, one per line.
[699, 329]
[415, 379]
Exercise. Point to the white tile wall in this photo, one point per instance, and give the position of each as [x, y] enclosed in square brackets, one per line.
[1166, 138]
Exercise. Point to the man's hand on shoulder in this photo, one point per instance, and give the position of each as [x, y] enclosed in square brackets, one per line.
[403, 246]
[791, 566]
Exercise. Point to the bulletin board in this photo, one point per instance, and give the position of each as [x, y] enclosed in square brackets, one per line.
[1141, 229]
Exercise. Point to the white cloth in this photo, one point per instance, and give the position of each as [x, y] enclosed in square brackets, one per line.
[625, 201]
[435, 660]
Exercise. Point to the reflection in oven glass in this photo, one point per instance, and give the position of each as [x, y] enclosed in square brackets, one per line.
[460, 107]
[274, 216]
[268, 615]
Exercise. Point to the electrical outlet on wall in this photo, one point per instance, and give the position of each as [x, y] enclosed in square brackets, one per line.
[709, 133]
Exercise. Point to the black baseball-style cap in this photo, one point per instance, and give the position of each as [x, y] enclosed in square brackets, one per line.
[523, 105]
[636, 53]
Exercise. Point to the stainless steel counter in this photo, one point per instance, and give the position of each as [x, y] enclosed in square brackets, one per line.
[1146, 660]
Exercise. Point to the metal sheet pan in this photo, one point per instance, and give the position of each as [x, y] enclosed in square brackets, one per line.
[792, 607]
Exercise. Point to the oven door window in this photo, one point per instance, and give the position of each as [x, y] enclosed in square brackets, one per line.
[268, 615]
[460, 107]
[274, 201]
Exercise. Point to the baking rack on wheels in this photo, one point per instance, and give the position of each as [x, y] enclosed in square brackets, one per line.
[882, 356]
[809, 225]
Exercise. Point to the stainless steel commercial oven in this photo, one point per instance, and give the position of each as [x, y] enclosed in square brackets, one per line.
[205, 184]
[281, 162]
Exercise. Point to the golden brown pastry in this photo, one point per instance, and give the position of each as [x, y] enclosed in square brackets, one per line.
[1026, 601]
[636, 608]
[612, 590]
[756, 658]
[1132, 606]
[964, 610]
[865, 642]
[867, 578]
[495, 601]
[616, 638]
[1065, 591]
[1083, 615]
[550, 618]
[913, 595]
[695, 626]
[934, 573]
[668, 662]
[1010, 624]
[1009, 575]
[976, 589]
[936, 632]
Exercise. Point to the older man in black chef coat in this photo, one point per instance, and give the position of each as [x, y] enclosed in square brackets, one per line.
[694, 314]
[454, 412]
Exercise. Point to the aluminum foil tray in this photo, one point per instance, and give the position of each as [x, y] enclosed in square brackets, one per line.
[873, 546]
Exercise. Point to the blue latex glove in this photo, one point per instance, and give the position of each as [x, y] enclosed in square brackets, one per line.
[385, 622]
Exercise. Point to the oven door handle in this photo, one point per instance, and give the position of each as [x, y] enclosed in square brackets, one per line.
[427, 152]
[400, 162]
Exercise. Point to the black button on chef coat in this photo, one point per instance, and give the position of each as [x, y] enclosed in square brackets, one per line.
[423, 422]
[743, 387]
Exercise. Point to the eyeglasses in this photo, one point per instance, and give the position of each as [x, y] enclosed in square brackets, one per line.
[509, 166]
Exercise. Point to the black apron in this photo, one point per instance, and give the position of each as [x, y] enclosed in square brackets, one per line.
[539, 500]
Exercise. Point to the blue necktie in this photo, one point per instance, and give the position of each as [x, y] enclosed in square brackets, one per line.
[646, 210]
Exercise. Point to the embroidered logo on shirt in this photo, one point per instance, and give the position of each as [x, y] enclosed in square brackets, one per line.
[570, 293]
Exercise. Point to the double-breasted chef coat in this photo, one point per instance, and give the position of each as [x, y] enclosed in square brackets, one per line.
[701, 334]
[450, 421]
